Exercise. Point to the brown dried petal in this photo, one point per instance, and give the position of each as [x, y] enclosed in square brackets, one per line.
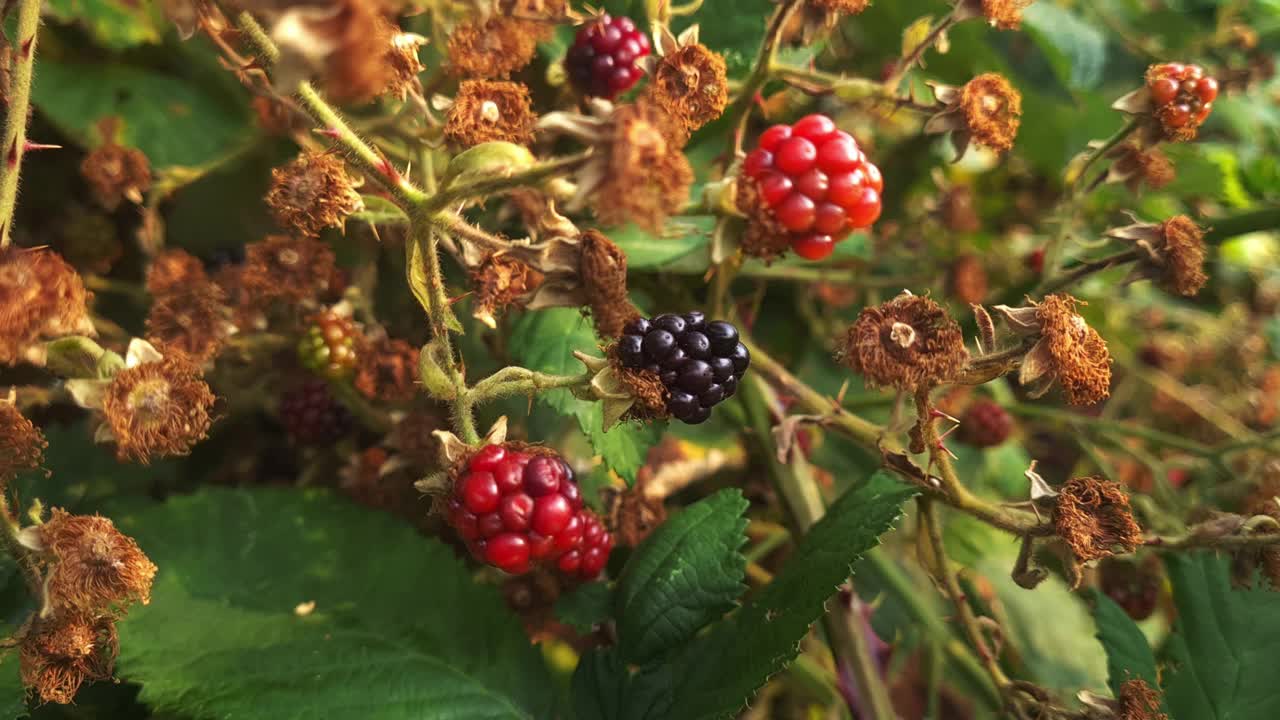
[95, 567]
[489, 110]
[286, 268]
[500, 281]
[1138, 701]
[691, 85]
[495, 48]
[158, 408]
[21, 443]
[175, 271]
[311, 193]
[63, 652]
[388, 371]
[907, 343]
[604, 283]
[991, 109]
[1183, 255]
[1004, 14]
[41, 297]
[646, 176]
[115, 172]
[1093, 518]
[195, 322]
[1079, 356]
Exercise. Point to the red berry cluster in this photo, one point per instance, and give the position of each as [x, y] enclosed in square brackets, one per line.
[816, 182]
[515, 509]
[1183, 96]
[985, 424]
[602, 61]
[1135, 587]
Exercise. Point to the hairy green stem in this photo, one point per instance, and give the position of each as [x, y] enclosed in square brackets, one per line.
[450, 194]
[511, 381]
[1079, 272]
[253, 33]
[15, 121]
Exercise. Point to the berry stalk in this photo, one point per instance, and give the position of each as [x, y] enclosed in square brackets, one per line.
[15, 122]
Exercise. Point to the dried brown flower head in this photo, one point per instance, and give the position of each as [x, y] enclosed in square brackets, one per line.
[647, 177]
[604, 283]
[286, 268]
[495, 48]
[61, 653]
[21, 443]
[1135, 167]
[1263, 500]
[907, 343]
[691, 85]
[1004, 14]
[986, 110]
[1093, 518]
[41, 297]
[158, 408]
[388, 371]
[175, 271]
[311, 193]
[1138, 701]
[115, 172]
[95, 567]
[968, 280]
[1174, 252]
[500, 281]
[195, 322]
[490, 110]
[647, 389]
[1069, 351]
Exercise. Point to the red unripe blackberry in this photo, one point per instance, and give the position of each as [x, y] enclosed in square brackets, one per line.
[1135, 587]
[1182, 95]
[330, 346]
[815, 182]
[985, 424]
[515, 509]
[311, 416]
[603, 59]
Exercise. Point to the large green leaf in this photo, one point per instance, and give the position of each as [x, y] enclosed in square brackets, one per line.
[174, 122]
[13, 703]
[399, 630]
[1129, 657]
[605, 689]
[586, 607]
[624, 446]
[720, 672]
[1222, 655]
[682, 577]
[1077, 50]
[112, 23]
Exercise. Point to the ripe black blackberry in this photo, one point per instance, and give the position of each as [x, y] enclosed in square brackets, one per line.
[602, 62]
[700, 363]
[311, 416]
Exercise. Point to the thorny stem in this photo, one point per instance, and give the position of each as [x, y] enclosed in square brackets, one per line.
[760, 72]
[511, 381]
[908, 61]
[15, 122]
[450, 194]
[1083, 270]
[268, 53]
[1111, 142]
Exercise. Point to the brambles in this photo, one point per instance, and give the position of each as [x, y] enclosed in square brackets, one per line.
[488, 111]
[985, 424]
[311, 416]
[1093, 517]
[516, 509]
[1183, 98]
[812, 182]
[908, 343]
[312, 193]
[603, 61]
[700, 363]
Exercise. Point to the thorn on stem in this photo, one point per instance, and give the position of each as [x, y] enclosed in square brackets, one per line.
[30, 146]
[11, 159]
[331, 133]
[27, 44]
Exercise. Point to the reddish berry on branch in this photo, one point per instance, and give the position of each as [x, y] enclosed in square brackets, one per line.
[603, 60]
[1183, 98]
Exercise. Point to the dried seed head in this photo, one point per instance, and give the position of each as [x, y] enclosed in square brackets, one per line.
[1138, 701]
[604, 284]
[388, 371]
[1069, 351]
[94, 567]
[691, 85]
[115, 172]
[1136, 167]
[63, 652]
[968, 280]
[647, 177]
[21, 443]
[648, 390]
[495, 48]
[175, 271]
[765, 237]
[158, 408]
[1004, 14]
[1183, 255]
[500, 281]
[490, 110]
[41, 297]
[907, 343]
[1093, 518]
[195, 322]
[634, 515]
[992, 110]
[311, 193]
[286, 268]
[845, 7]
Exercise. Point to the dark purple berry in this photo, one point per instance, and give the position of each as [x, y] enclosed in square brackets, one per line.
[740, 357]
[695, 376]
[669, 377]
[711, 396]
[673, 361]
[631, 350]
[542, 476]
[638, 326]
[673, 324]
[721, 368]
[658, 344]
[695, 344]
[603, 59]
[699, 416]
[723, 336]
[730, 386]
[694, 320]
[311, 416]
[682, 404]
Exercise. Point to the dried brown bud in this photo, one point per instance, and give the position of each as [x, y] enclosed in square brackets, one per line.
[495, 48]
[690, 84]
[41, 297]
[21, 443]
[311, 193]
[195, 322]
[1069, 351]
[968, 280]
[158, 408]
[646, 176]
[1004, 14]
[61, 653]
[907, 343]
[1093, 518]
[490, 110]
[1135, 167]
[175, 271]
[1174, 252]
[95, 568]
[286, 268]
[647, 389]
[986, 110]
[1138, 701]
[115, 172]
[388, 371]
[500, 281]
[87, 239]
[604, 284]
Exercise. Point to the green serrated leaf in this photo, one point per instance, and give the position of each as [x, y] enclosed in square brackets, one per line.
[721, 671]
[545, 341]
[13, 695]
[585, 607]
[1129, 657]
[172, 121]
[1222, 653]
[1077, 50]
[604, 689]
[682, 577]
[645, 251]
[623, 447]
[398, 628]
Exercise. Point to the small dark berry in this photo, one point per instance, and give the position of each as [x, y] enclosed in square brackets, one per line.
[673, 324]
[740, 357]
[730, 386]
[721, 368]
[694, 320]
[696, 345]
[602, 61]
[700, 416]
[682, 404]
[658, 344]
[638, 326]
[711, 396]
[723, 337]
[675, 360]
[631, 350]
[542, 476]
[695, 376]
